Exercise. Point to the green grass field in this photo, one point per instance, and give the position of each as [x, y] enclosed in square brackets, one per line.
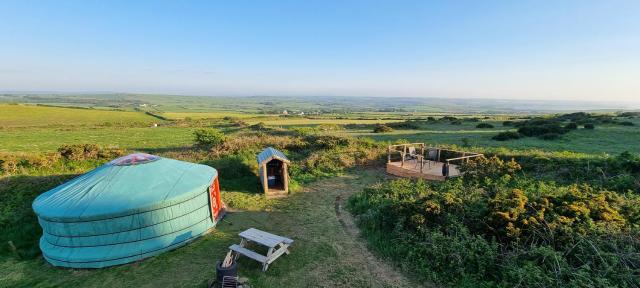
[606, 139]
[205, 115]
[39, 139]
[38, 116]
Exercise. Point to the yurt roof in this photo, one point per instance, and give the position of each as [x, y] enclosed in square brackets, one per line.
[131, 184]
[270, 153]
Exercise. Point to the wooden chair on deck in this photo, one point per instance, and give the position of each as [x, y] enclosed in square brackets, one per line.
[413, 155]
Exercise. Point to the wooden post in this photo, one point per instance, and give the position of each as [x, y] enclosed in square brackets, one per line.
[438, 154]
[404, 153]
[389, 154]
[265, 180]
[422, 156]
[285, 175]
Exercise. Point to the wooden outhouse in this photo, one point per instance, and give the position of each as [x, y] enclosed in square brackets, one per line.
[273, 172]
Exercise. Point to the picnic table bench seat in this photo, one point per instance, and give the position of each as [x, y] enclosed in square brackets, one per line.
[246, 252]
[277, 245]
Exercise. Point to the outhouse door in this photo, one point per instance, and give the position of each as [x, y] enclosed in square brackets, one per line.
[214, 199]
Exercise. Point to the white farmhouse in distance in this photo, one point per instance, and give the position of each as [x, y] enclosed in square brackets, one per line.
[285, 112]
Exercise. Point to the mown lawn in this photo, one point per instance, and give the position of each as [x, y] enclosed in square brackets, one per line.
[324, 253]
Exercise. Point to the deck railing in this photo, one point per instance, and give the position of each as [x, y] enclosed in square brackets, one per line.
[434, 154]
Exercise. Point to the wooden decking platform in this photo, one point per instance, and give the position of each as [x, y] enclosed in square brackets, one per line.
[431, 170]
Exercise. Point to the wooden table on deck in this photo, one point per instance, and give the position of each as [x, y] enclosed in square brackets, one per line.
[277, 245]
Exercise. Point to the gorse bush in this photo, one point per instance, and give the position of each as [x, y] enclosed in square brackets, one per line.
[507, 135]
[571, 126]
[208, 137]
[16, 163]
[382, 128]
[617, 173]
[79, 152]
[494, 227]
[482, 168]
[530, 130]
[407, 124]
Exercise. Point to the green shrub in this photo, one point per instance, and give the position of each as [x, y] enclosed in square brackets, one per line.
[626, 123]
[571, 126]
[208, 137]
[9, 165]
[481, 167]
[407, 124]
[549, 136]
[382, 128]
[590, 126]
[330, 127]
[79, 151]
[494, 227]
[508, 123]
[456, 122]
[541, 129]
[507, 135]
[484, 125]
[239, 123]
[260, 126]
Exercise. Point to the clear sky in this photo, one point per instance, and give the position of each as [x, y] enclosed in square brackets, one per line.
[586, 50]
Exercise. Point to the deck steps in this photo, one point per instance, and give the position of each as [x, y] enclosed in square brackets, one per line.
[276, 193]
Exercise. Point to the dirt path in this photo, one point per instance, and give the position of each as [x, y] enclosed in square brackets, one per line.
[386, 275]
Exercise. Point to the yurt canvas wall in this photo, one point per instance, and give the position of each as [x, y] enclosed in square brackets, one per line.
[132, 208]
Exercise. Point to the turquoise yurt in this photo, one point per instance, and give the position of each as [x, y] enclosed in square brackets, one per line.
[131, 208]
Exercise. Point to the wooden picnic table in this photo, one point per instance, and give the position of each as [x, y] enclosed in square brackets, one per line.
[277, 245]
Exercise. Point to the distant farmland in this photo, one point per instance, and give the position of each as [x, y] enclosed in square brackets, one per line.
[39, 116]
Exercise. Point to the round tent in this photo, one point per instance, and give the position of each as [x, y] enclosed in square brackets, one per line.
[131, 208]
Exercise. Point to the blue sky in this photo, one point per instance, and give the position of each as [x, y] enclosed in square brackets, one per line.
[586, 50]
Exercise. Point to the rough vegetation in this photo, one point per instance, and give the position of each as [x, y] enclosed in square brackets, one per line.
[484, 125]
[497, 227]
[553, 127]
[208, 137]
[381, 128]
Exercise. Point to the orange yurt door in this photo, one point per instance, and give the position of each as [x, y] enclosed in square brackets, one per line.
[214, 199]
